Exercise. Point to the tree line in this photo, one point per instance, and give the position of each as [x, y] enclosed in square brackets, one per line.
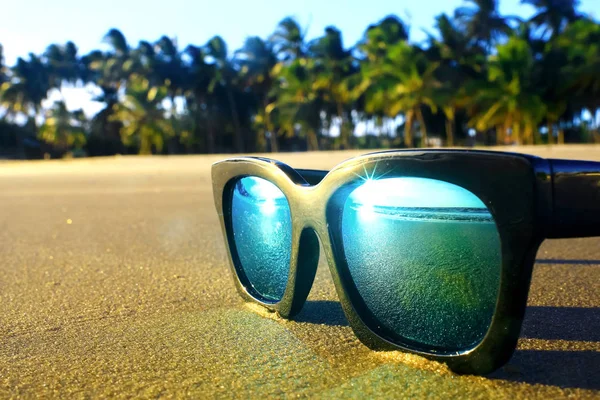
[478, 77]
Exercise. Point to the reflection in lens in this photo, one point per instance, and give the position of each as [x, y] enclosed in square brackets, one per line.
[262, 229]
[425, 257]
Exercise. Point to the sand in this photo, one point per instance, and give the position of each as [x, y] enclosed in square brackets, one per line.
[114, 283]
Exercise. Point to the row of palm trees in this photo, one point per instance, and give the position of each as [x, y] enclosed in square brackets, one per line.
[498, 78]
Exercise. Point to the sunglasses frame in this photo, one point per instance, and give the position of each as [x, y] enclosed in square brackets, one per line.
[516, 188]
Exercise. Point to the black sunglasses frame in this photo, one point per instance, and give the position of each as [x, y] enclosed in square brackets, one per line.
[529, 198]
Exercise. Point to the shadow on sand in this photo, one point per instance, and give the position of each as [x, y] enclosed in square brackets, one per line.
[322, 312]
[567, 369]
[567, 262]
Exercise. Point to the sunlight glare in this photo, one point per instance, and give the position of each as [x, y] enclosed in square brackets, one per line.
[268, 207]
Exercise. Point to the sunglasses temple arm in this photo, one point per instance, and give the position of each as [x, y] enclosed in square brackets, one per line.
[575, 199]
[312, 176]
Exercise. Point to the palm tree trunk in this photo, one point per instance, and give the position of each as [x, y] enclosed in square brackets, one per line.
[537, 139]
[312, 140]
[344, 142]
[500, 132]
[273, 141]
[596, 129]
[408, 122]
[550, 132]
[210, 130]
[145, 146]
[449, 132]
[261, 140]
[270, 128]
[423, 128]
[529, 133]
[517, 133]
[561, 136]
[238, 137]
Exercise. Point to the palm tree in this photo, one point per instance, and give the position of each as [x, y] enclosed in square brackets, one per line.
[169, 68]
[554, 15]
[142, 116]
[62, 128]
[289, 40]
[146, 62]
[404, 83]
[483, 23]
[297, 103]
[378, 37]
[3, 71]
[64, 65]
[579, 44]
[508, 97]
[109, 72]
[334, 70]
[225, 76]
[116, 40]
[27, 87]
[372, 51]
[257, 59]
[453, 46]
[3, 74]
[199, 96]
[460, 62]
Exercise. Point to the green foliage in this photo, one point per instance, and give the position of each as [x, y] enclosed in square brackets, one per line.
[508, 98]
[28, 84]
[142, 115]
[62, 128]
[508, 79]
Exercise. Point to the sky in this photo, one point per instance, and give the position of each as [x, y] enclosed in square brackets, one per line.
[30, 26]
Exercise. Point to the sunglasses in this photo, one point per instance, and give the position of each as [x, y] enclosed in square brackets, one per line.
[431, 252]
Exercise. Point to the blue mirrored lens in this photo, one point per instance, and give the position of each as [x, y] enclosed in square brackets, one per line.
[425, 257]
[262, 229]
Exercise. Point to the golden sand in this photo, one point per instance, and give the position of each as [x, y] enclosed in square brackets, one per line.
[114, 283]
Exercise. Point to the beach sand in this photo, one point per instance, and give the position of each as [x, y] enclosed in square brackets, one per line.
[114, 283]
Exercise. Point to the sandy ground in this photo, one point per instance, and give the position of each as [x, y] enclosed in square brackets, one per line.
[114, 283]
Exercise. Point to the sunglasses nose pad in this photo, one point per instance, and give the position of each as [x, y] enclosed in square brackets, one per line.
[307, 261]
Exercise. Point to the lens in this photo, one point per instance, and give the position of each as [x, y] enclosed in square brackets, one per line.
[425, 258]
[262, 231]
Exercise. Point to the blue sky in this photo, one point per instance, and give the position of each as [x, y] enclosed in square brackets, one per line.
[30, 26]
